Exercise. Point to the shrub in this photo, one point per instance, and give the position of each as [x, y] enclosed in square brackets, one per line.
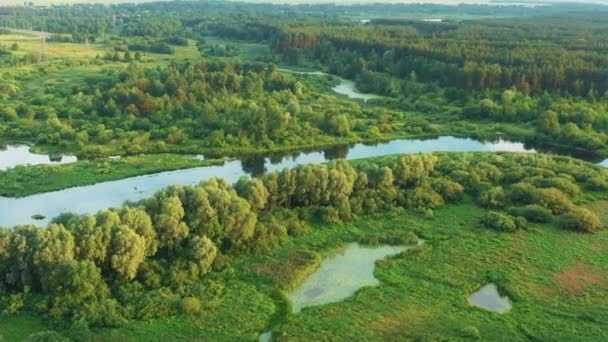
[328, 215]
[450, 191]
[471, 332]
[79, 331]
[492, 198]
[424, 197]
[502, 222]
[581, 220]
[190, 305]
[554, 200]
[289, 273]
[532, 213]
[563, 184]
[598, 183]
[523, 193]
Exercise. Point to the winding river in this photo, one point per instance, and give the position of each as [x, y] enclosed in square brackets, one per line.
[344, 87]
[92, 198]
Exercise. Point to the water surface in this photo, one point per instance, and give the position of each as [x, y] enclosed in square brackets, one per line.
[15, 155]
[489, 298]
[92, 198]
[341, 275]
[345, 87]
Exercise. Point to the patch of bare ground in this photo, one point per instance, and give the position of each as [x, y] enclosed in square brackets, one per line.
[578, 277]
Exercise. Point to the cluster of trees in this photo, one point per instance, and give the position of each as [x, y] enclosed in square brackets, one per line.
[139, 261]
[160, 109]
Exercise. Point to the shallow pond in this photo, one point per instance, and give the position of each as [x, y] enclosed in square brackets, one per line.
[489, 298]
[15, 155]
[341, 275]
[92, 198]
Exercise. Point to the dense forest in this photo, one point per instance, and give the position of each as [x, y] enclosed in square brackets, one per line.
[549, 72]
[135, 89]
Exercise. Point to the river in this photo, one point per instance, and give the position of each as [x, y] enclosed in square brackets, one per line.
[15, 155]
[92, 198]
[344, 87]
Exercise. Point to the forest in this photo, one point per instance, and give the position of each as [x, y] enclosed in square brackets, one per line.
[131, 91]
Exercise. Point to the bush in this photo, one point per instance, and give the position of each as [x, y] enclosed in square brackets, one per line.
[502, 222]
[554, 200]
[291, 272]
[532, 213]
[563, 184]
[598, 183]
[470, 331]
[581, 220]
[492, 198]
[191, 305]
[524, 193]
[423, 198]
[328, 215]
[450, 191]
[79, 331]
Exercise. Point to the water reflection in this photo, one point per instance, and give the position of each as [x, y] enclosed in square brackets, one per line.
[15, 155]
[489, 298]
[341, 275]
[91, 198]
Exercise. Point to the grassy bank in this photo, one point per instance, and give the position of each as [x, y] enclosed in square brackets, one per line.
[28, 180]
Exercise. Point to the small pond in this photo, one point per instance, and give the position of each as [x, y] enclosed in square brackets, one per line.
[341, 275]
[489, 298]
[15, 155]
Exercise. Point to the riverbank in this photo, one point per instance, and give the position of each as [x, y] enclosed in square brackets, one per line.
[113, 193]
[21, 181]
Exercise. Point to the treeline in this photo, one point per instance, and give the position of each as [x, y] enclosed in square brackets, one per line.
[139, 261]
[82, 21]
[545, 54]
[86, 21]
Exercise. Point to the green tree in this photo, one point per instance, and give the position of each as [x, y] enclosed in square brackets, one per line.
[548, 122]
[202, 252]
[127, 251]
[141, 223]
[170, 228]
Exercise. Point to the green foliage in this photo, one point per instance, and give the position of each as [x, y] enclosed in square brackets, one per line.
[190, 305]
[493, 198]
[581, 220]
[503, 222]
[471, 331]
[47, 336]
[532, 213]
[293, 270]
